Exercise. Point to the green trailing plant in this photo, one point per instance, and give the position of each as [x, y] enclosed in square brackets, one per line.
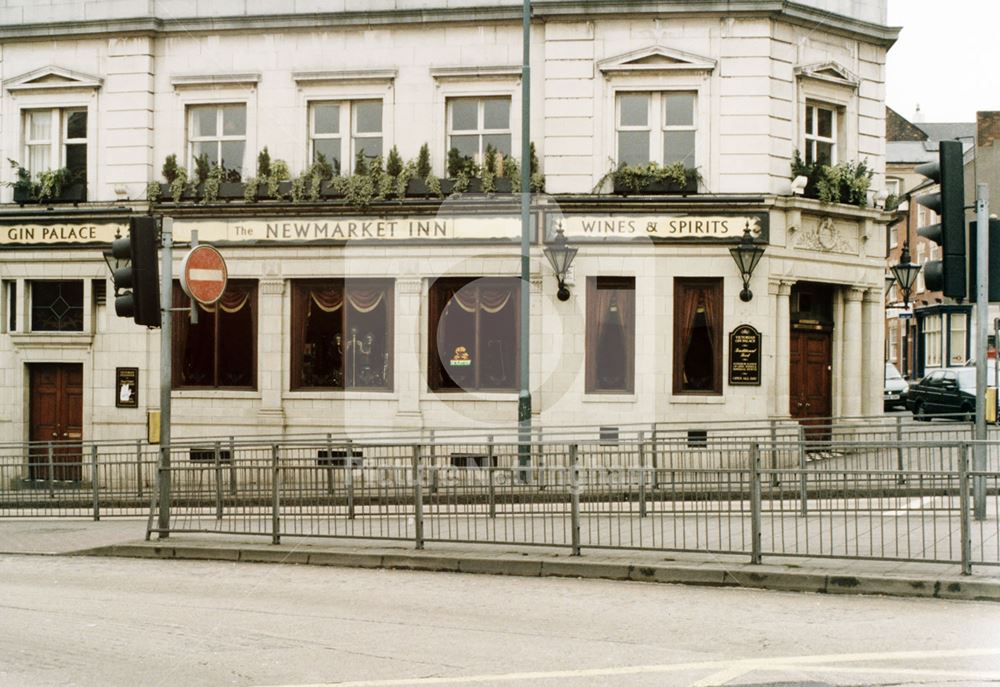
[178, 185]
[487, 177]
[636, 178]
[22, 178]
[279, 173]
[490, 160]
[51, 182]
[210, 187]
[153, 192]
[357, 189]
[891, 202]
[462, 180]
[424, 162]
[433, 185]
[263, 163]
[844, 182]
[512, 171]
[250, 189]
[402, 180]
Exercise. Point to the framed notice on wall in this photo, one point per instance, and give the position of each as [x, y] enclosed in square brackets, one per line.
[127, 387]
[744, 356]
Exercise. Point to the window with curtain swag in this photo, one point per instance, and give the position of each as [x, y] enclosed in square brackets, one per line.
[220, 352]
[342, 334]
[610, 334]
[698, 336]
[474, 335]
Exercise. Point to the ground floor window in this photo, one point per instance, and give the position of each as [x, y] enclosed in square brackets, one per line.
[610, 334]
[698, 335]
[473, 334]
[342, 334]
[221, 350]
[932, 341]
[57, 306]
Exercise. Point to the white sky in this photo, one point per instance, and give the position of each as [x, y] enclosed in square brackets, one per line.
[947, 59]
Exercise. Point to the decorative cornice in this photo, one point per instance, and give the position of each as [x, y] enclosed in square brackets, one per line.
[474, 72]
[387, 75]
[655, 59]
[830, 72]
[51, 78]
[507, 11]
[200, 80]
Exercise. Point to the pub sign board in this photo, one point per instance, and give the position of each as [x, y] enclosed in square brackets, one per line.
[127, 387]
[744, 356]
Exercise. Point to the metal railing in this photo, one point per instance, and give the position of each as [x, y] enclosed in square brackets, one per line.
[902, 501]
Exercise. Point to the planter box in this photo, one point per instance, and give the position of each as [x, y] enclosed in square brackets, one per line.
[231, 190]
[448, 186]
[74, 193]
[417, 188]
[327, 191]
[659, 188]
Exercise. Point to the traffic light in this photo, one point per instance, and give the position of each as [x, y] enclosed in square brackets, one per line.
[948, 274]
[992, 262]
[137, 284]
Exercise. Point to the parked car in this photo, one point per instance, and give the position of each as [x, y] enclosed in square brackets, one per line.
[950, 391]
[895, 388]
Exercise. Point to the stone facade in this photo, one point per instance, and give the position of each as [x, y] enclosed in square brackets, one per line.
[753, 76]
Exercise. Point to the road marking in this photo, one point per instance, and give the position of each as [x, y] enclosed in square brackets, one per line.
[724, 668]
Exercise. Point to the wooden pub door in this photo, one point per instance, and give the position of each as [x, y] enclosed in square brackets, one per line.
[810, 385]
[56, 415]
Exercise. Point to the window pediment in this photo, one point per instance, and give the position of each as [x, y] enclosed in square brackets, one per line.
[655, 59]
[830, 72]
[249, 79]
[51, 78]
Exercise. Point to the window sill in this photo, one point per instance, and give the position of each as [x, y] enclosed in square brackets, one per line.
[602, 397]
[216, 393]
[469, 396]
[695, 399]
[52, 339]
[340, 395]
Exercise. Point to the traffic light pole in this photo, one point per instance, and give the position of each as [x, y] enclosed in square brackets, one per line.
[982, 328]
[166, 379]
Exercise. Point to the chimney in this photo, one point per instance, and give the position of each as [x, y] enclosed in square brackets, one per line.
[987, 128]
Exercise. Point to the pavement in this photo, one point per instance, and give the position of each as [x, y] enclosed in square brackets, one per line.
[126, 538]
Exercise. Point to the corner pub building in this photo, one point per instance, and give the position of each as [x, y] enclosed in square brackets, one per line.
[403, 313]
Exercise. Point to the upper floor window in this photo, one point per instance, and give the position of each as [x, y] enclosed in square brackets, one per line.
[656, 127]
[821, 133]
[55, 138]
[220, 133]
[57, 306]
[339, 131]
[474, 124]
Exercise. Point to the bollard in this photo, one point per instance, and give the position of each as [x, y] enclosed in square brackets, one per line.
[418, 501]
[755, 505]
[574, 490]
[964, 510]
[93, 480]
[275, 496]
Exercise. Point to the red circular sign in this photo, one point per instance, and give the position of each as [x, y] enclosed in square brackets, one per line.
[204, 275]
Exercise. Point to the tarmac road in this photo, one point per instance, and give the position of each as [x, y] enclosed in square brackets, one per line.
[98, 621]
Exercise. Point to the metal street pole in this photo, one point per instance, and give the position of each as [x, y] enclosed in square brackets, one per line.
[524, 393]
[166, 301]
[982, 327]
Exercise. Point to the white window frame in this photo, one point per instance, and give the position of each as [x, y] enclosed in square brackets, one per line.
[58, 139]
[812, 139]
[480, 131]
[219, 137]
[657, 112]
[347, 129]
[932, 340]
[474, 82]
[921, 287]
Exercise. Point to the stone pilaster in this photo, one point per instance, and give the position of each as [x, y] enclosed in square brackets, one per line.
[873, 342]
[406, 364]
[853, 337]
[780, 292]
[271, 339]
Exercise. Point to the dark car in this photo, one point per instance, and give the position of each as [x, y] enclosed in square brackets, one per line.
[951, 391]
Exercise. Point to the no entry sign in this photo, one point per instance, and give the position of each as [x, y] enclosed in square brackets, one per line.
[204, 275]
